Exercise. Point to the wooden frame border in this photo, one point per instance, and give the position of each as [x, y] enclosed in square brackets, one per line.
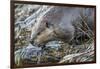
[42, 3]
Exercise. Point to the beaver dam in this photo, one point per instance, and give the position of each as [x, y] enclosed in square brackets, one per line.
[41, 36]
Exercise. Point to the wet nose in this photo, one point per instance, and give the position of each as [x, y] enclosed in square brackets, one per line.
[34, 43]
[31, 41]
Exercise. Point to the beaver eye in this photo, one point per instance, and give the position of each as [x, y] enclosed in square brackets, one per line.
[47, 24]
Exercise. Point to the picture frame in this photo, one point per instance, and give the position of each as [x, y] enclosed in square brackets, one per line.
[23, 10]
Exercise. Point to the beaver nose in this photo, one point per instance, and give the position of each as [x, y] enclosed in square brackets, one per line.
[32, 42]
[36, 43]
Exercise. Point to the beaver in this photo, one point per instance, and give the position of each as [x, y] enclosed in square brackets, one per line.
[56, 24]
